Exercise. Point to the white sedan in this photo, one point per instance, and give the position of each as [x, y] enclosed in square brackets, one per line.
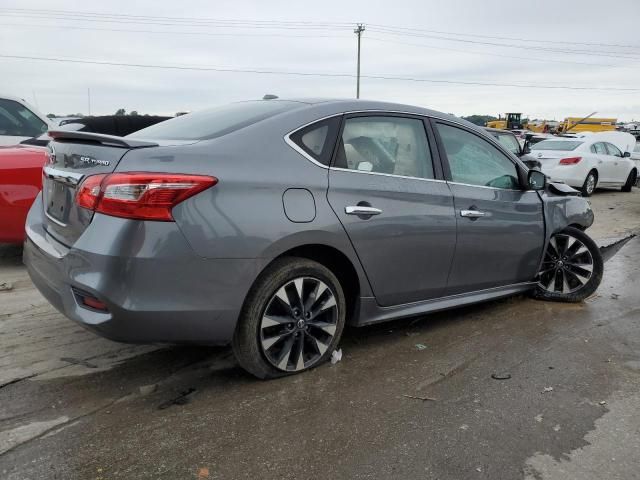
[586, 162]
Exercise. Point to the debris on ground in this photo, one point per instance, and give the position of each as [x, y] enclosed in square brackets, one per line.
[6, 286]
[148, 389]
[538, 418]
[615, 296]
[603, 402]
[609, 251]
[424, 399]
[336, 356]
[556, 428]
[547, 389]
[182, 399]
[78, 361]
[421, 346]
[501, 376]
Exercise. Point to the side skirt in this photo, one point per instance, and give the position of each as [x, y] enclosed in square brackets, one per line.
[370, 312]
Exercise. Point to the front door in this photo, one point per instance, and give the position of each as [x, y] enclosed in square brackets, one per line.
[397, 213]
[500, 225]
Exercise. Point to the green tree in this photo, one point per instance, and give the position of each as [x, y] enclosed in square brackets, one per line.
[121, 111]
[133, 113]
[480, 120]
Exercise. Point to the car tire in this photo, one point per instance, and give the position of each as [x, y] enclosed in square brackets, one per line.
[277, 334]
[631, 181]
[571, 269]
[590, 183]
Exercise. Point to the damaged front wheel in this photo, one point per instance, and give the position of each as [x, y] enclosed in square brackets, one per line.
[572, 267]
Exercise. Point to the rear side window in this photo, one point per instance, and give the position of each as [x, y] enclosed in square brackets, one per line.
[599, 148]
[317, 140]
[215, 122]
[17, 120]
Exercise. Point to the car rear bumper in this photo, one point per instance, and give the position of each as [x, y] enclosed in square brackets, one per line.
[156, 289]
[573, 176]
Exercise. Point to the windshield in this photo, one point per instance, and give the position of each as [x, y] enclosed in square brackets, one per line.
[509, 142]
[561, 145]
[215, 122]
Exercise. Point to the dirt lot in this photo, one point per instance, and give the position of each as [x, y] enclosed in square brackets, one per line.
[75, 406]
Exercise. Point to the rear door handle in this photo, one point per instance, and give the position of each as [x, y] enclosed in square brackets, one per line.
[361, 210]
[471, 213]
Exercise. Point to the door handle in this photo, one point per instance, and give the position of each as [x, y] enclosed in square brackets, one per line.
[361, 210]
[471, 213]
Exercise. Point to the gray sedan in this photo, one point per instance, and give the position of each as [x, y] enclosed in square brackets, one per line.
[271, 224]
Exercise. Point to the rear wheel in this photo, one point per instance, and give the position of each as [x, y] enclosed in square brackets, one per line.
[631, 181]
[572, 267]
[292, 319]
[589, 185]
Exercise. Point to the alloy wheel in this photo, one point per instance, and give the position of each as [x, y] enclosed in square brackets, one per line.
[591, 183]
[299, 324]
[567, 266]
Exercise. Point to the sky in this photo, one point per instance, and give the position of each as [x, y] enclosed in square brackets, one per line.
[442, 53]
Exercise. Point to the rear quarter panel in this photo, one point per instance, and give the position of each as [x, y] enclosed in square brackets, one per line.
[20, 182]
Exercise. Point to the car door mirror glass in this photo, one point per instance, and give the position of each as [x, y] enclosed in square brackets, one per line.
[626, 154]
[365, 166]
[536, 180]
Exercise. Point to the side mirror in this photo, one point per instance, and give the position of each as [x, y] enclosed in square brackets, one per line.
[536, 180]
[626, 154]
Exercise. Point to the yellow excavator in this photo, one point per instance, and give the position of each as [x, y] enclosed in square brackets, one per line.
[511, 121]
[587, 124]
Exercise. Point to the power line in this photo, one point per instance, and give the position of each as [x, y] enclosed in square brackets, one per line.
[522, 47]
[554, 42]
[317, 74]
[475, 52]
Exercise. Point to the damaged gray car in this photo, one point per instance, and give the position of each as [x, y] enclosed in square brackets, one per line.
[272, 224]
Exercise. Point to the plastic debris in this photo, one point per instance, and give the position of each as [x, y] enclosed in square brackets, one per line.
[603, 402]
[424, 399]
[501, 376]
[556, 428]
[336, 356]
[547, 389]
[6, 286]
[538, 418]
[421, 346]
[615, 296]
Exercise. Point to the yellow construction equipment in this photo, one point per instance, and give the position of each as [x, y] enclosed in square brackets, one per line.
[587, 124]
[511, 121]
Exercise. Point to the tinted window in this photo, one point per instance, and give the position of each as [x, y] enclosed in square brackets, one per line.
[613, 150]
[215, 122]
[561, 145]
[509, 142]
[390, 145]
[475, 161]
[17, 120]
[318, 140]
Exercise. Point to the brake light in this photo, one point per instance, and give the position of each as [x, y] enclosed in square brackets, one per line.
[141, 196]
[570, 160]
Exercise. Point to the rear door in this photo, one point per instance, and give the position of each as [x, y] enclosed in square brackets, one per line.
[500, 226]
[619, 169]
[387, 189]
[605, 163]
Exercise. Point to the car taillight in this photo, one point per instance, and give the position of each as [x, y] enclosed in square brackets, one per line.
[141, 196]
[570, 160]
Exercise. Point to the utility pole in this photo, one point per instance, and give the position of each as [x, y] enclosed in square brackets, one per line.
[358, 31]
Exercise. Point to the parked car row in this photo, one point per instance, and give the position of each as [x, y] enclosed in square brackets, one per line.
[278, 222]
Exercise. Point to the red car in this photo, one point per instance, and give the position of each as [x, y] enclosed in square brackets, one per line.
[20, 182]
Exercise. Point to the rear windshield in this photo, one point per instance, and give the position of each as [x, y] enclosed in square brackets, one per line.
[215, 122]
[564, 146]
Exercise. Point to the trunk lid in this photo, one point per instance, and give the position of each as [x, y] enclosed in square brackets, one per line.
[72, 157]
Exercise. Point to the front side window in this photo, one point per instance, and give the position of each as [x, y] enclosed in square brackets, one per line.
[318, 140]
[475, 161]
[391, 145]
[600, 149]
[18, 121]
[509, 142]
[613, 150]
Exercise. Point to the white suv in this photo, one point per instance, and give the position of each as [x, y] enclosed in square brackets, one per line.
[19, 121]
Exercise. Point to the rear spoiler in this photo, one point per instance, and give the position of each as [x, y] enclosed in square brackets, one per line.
[110, 140]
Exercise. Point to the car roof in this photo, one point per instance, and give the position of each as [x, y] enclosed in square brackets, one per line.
[498, 130]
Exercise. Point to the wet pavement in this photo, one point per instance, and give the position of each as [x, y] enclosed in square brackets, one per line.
[410, 399]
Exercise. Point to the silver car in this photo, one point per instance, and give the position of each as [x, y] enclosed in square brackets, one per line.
[271, 224]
